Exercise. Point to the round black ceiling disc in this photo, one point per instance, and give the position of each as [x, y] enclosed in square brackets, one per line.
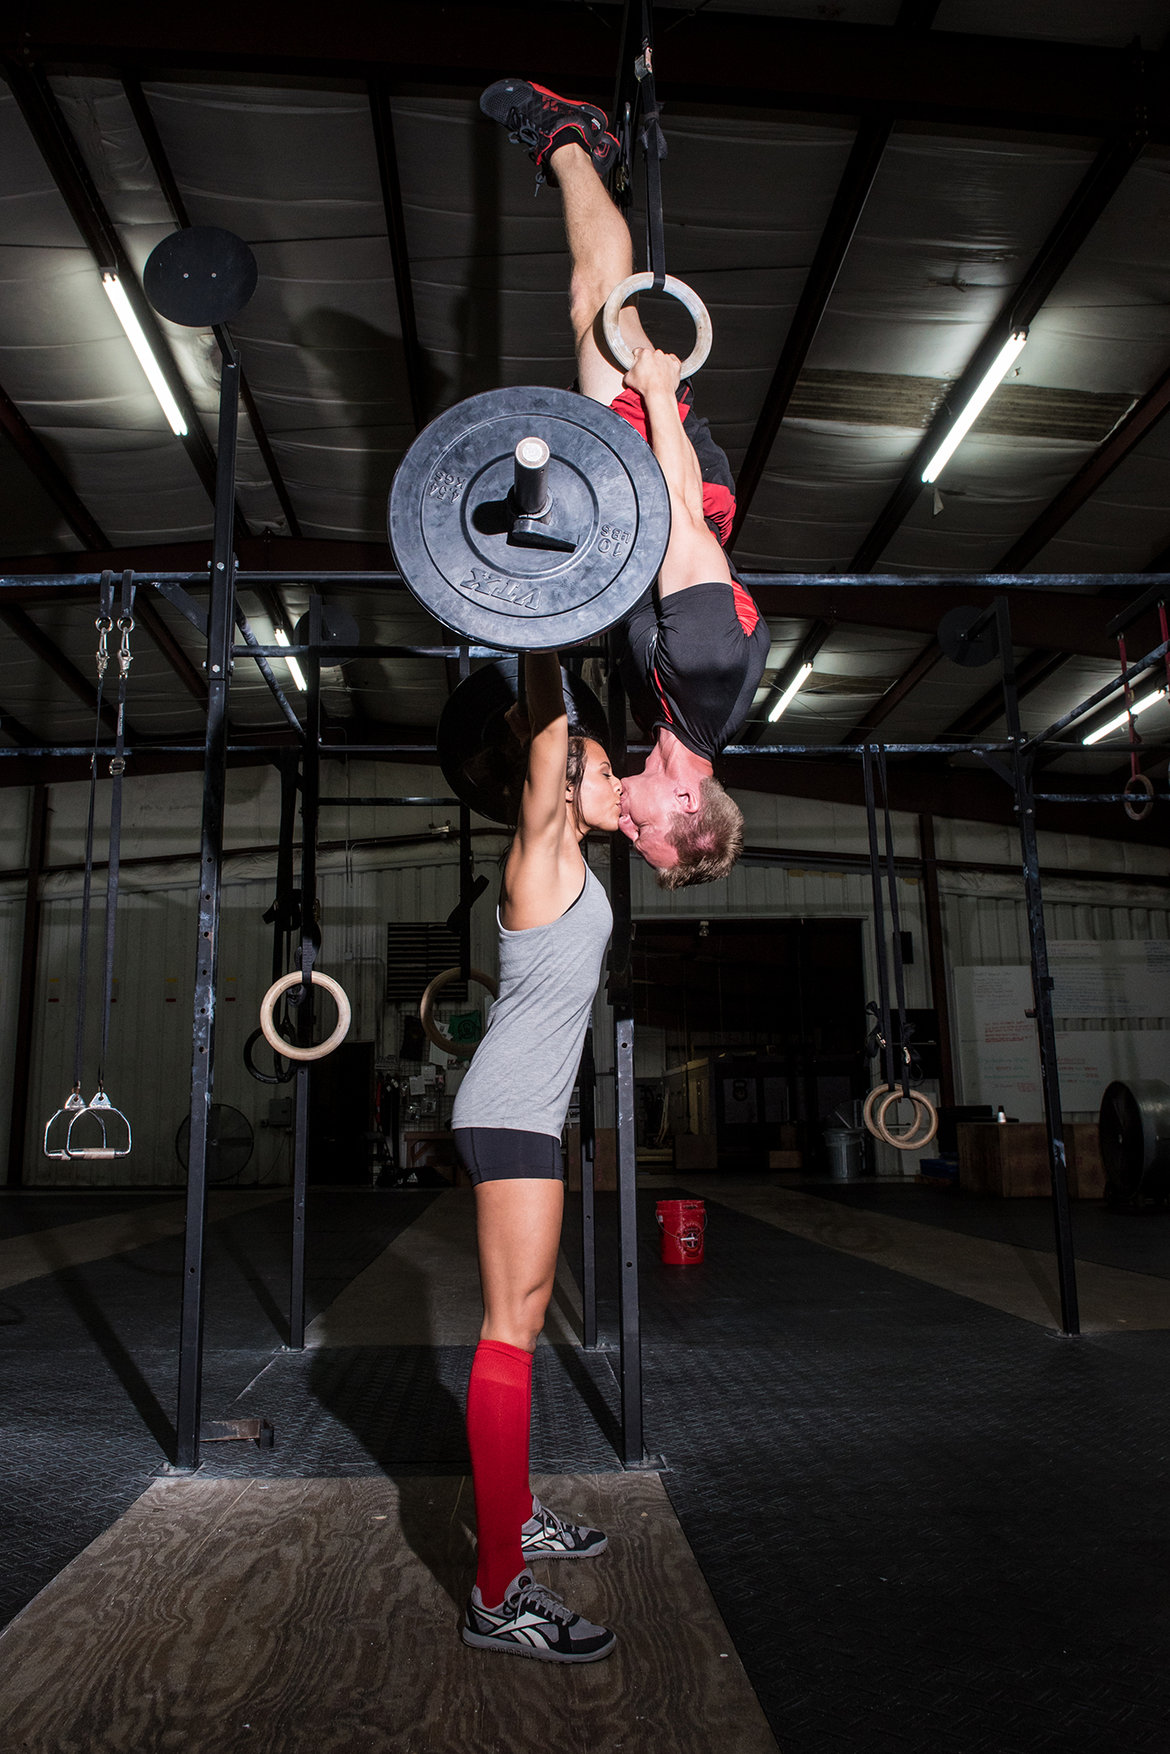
[200, 276]
[338, 628]
[960, 645]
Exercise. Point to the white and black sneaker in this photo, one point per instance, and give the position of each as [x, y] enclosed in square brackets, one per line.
[533, 1622]
[547, 1536]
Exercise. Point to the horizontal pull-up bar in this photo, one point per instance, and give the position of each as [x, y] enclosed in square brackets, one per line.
[377, 803]
[1153, 586]
[818, 750]
[332, 652]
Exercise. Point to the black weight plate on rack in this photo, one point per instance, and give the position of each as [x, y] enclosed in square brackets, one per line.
[200, 276]
[1133, 1131]
[482, 761]
[972, 654]
[448, 520]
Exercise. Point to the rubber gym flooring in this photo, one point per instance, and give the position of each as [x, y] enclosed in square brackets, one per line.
[925, 1519]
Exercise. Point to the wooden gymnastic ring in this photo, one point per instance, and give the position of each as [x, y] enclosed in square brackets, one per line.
[867, 1109]
[686, 296]
[287, 1049]
[462, 1049]
[1139, 808]
[907, 1141]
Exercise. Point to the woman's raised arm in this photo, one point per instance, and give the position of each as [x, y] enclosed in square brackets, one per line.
[542, 802]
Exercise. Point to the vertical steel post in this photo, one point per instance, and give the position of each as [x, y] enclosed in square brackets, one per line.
[621, 998]
[466, 893]
[310, 805]
[296, 1291]
[1041, 981]
[22, 1056]
[220, 629]
[588, 1142]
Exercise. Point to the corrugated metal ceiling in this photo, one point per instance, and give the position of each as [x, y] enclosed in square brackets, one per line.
[957, 214]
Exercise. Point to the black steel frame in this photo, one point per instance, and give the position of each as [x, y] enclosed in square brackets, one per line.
[1013, 758]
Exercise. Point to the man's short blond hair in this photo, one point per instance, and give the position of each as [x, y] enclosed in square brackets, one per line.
[708, 840]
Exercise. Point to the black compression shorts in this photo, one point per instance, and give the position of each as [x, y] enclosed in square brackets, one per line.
[500, 1154]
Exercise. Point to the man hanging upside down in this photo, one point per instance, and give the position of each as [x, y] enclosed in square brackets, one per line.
[694, 651]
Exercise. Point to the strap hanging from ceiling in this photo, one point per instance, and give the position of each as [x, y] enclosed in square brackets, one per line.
[125, 627]
[105, 626]
[1138, 790]
[283, 916]
[653, 151]
[114, 1137]
[900, 1059]
[637, 118]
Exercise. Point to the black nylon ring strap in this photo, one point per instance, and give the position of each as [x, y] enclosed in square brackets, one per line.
[895, 924]
[117, 769]
[879, 916]
[654, 150]
[105, 615]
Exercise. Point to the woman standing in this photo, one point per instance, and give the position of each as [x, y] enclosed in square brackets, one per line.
[555, 922]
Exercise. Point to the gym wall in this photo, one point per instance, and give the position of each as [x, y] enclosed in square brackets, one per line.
[377, 882]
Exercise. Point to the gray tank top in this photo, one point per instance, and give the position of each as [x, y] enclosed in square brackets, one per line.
[522, 1073]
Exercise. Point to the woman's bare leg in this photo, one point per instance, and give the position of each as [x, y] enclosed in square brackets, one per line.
[518, 1228]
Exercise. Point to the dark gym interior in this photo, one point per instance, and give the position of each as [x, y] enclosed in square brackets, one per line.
[861, 1314]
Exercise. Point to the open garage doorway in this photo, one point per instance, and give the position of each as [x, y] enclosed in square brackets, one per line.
[749, 1040]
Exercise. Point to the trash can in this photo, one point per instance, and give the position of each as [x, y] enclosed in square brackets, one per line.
[846, 1149]
[682, 1223]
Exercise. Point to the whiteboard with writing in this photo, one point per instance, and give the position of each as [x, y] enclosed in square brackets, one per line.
[1110, 977]
[999, 1060]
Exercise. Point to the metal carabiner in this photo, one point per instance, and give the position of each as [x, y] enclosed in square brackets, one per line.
[125, 655]
[102, 656]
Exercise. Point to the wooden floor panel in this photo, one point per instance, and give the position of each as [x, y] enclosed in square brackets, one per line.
[313, 1616]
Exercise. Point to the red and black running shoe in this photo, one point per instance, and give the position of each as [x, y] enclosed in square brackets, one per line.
[540, 120]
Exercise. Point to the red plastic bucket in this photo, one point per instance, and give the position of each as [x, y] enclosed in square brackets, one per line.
[682, 1223]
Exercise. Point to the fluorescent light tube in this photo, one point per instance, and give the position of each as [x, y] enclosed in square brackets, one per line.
[116, 293]
[294, 668]
[1011, 350]
[1139, 706]
[791, 692]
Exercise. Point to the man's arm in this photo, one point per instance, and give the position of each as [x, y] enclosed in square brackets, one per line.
[694, 555]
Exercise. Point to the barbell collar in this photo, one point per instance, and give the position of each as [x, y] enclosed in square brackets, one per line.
[530, 484]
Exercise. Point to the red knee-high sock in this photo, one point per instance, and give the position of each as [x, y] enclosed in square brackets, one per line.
[499, 1400]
